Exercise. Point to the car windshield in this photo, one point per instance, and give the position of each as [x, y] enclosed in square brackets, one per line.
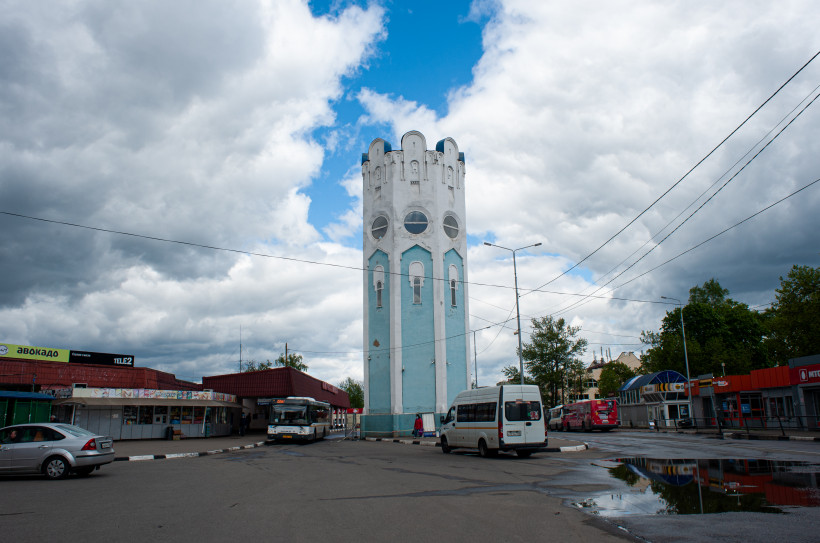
[75, 431]
[289, 414]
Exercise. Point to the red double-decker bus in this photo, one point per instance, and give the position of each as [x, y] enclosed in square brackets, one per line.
[588, 415]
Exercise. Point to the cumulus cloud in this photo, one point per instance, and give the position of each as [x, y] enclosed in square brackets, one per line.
[577, 119]
[193, 122]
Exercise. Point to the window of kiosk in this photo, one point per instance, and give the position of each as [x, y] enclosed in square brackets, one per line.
[129, 414]
[161, 414]
[146, 414]
[199, 415]
[222, 415]
[176, 415]
[187, 415]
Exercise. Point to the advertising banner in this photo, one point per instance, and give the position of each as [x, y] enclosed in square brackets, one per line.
[102, 359]
[27, 352]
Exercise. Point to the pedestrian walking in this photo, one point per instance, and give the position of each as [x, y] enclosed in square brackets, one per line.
[243, 423]
[418, 427]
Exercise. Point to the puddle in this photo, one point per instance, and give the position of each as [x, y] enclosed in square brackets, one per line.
[688, 487]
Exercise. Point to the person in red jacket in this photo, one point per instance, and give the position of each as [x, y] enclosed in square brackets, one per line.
[418, 427]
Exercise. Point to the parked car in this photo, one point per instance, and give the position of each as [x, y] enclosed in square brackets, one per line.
[53, 449]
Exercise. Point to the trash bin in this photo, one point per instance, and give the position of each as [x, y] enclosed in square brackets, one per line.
[169, 433]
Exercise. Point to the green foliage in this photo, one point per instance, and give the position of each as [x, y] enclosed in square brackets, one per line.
[293, 361]
[513, 377]
[794, 318]
[252, 365]
[552, 358]
[355, 390]
[718, 331]
[613, 376]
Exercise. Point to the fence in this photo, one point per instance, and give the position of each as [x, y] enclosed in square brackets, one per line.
[747, 424]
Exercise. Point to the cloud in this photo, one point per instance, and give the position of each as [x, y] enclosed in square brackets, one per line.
[576, 120]
[190, 122]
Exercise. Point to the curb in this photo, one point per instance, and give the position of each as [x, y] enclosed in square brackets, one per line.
[144, 457]
[574, 448]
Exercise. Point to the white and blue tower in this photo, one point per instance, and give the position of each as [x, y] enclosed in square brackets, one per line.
[416, 344]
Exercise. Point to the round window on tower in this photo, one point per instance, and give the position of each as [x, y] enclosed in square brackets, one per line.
[415, 222]
[450, 225]
[379, 227]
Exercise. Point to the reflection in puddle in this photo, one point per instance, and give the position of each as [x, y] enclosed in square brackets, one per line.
[687, 487]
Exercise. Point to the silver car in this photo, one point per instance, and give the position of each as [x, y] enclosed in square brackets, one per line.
[53, 449]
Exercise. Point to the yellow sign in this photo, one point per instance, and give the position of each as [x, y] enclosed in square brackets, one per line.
[33, 353]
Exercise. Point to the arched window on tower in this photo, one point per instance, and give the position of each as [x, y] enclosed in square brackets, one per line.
[453, 276]
[378, 284]
[416, 280]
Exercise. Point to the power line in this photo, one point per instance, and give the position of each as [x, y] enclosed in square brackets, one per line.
[684, 176]
[704, 242]
[732, 178]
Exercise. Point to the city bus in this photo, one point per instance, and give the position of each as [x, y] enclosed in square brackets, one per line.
[588, 415]
[298, 419]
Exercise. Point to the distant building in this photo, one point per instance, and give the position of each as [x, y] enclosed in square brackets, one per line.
[593, 374]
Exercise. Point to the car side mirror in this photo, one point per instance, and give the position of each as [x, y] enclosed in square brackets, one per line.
[441, 419]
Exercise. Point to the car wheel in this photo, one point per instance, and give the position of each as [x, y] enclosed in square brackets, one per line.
[85, 471]
[445, 447]
[56, 467]
[523, 454]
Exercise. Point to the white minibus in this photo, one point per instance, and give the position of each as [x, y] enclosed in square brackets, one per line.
[492, 419]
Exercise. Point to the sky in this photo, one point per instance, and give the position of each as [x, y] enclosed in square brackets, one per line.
[179, 179]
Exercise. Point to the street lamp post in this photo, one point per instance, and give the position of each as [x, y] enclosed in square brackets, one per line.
[517, 312]
[685, 356]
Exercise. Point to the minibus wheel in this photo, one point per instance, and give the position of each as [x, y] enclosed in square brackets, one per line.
[445, 447]
[483, 450]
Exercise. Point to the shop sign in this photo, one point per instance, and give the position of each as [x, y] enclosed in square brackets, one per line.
[806, 374]
[355, 410]
[33, 353]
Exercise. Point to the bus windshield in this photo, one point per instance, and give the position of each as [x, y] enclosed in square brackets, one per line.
[289, 414]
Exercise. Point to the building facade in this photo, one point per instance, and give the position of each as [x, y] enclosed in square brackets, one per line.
[415, 285]
[593, 373]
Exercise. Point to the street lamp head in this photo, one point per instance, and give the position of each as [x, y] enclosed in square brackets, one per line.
[487, 243]
[537, 244]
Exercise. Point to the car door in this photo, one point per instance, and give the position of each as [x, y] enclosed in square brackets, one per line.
[34, 447]
[6, 447]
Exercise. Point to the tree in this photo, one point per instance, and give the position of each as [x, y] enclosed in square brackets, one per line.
[252, 365]
[552, 357]
[719, 331]
[354, 390]
[794, 318]
[513, 377]
[293, 361]
[613, 376]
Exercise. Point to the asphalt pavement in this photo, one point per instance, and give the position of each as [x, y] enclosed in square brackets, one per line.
[160, 449]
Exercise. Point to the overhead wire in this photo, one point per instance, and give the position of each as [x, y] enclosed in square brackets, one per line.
[733, 177]
[630, 223]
